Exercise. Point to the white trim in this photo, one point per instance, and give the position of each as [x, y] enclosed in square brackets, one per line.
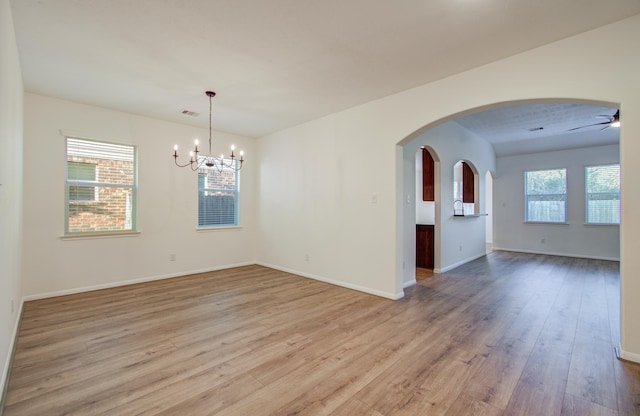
[88, 136]
[602, 224]
[628, 356]
[9, 359]
[460, 263]
[97, 234]
[218, 228]
[548, 253]
[132, 281]
[392, 296]
[410, 283]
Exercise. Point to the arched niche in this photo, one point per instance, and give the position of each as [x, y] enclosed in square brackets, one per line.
[465, 188]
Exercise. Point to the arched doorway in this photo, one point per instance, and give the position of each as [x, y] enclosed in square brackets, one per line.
[460, 241]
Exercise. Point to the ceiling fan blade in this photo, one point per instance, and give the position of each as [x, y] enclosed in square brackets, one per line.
[592, 125]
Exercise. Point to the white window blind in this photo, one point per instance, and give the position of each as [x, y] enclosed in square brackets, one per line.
[79, 174]
[218, 196]
[101, 187]
[546, 195]
[602, 194]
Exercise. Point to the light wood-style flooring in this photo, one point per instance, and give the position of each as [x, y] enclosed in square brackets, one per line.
[423, 273]
[508, 334]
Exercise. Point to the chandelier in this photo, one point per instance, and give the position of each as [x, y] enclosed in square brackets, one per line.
[197, 161]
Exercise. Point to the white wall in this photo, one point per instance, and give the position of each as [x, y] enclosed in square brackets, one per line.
[167, 203]
[576, 238]
[318, 180]
[457, 240]
[11, 115]
[321, 214]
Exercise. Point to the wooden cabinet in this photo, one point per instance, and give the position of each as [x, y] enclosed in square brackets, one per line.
[468, 184]
[428, 183]
[424, 246]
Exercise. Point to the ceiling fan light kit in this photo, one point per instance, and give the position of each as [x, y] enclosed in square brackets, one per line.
[197, 161]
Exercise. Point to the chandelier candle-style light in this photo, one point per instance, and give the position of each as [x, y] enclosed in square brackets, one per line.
[196, 161]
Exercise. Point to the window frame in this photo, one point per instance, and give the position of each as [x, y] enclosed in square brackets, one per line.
[587, 194]
[235, 191]
[97, 185]
[527, 220]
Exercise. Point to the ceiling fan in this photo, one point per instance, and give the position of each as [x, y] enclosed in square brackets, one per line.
[612, 121]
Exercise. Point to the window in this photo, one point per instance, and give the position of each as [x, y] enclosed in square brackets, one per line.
[545, 195]
[602, 192]
[101, 187]
[218, 194]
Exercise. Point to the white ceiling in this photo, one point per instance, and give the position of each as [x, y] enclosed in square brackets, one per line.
[535, 128]
[275, 63]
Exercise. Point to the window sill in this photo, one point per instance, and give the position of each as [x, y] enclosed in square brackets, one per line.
[106, 234]
[545, 223]
[470, 215]
[597, 224]
[221, 228]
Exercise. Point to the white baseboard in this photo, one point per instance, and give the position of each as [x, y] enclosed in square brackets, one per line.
[392, 296]
[549, 253]
[410, 283]
[4, 381]
[458, 264]
[132, 281]
[627, 356]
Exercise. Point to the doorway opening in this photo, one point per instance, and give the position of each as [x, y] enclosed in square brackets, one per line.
[427, 180]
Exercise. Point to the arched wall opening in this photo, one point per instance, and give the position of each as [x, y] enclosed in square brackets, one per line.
[458, 242]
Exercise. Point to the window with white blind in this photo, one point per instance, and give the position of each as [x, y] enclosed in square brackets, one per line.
[602, 191]
[101, 187]
[80, 176]
[545, 195]
[218, 196]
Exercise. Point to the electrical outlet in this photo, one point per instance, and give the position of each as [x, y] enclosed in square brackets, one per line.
[543, 240]
[13, 306]
[172, 257]
[306, 257]
[460, 248]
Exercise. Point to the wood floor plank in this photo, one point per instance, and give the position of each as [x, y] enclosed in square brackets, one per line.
[470, 406]
[627, 387]
[442, 386]
[510, 333]
[592, 376]
[541, 389]
[355, 407]
[576, 406]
